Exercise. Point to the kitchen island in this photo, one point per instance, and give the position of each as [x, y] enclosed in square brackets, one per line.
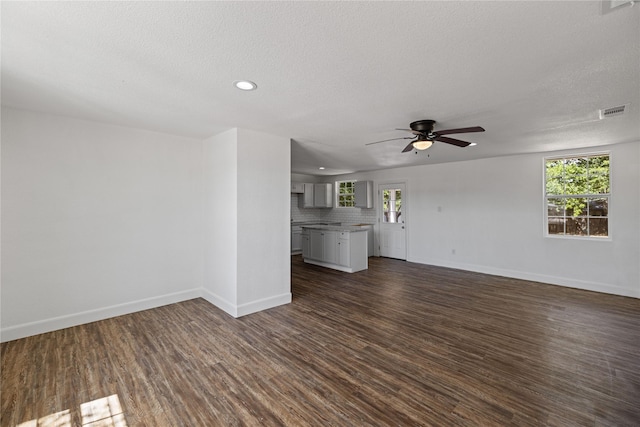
[341, 247]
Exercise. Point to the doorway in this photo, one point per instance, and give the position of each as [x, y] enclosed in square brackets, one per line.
[393, 233]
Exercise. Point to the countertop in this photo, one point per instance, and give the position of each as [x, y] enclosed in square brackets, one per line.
[347, 228]
[300, 223]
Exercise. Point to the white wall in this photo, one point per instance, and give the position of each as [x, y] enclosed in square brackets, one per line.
[100, 220]
[97, 221]
[220, 171]
[300, 177]
[264, 244]
[247, 260]
[491, 212]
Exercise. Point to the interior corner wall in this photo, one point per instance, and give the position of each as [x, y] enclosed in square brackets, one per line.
[488, 216]
[264, 227]
[97, 221]
[220, 173]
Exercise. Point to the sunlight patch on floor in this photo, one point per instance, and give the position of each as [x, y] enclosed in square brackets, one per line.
[103, 412]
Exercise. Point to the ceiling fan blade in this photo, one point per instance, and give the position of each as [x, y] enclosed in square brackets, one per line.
[392, 139]
[409, 147]
[461, 130]
[452, 141]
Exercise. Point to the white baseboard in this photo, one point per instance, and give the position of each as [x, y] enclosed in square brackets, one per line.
[263, 304]
[535, 277]
[220, 302]
[248, 308]
[47, 325]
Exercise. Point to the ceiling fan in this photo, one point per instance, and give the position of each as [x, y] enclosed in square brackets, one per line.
[425, 135]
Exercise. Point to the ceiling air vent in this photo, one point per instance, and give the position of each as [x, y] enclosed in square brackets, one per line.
[613, 111]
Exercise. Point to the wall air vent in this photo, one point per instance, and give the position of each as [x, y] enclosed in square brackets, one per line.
[611, 5]
[613, 111]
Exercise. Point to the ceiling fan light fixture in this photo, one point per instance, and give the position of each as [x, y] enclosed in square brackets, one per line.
[422, 144]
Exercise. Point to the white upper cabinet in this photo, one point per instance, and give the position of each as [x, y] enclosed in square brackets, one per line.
[316, 196]
[323, 195]
[297, 187]
[306, 199]
[363, 194]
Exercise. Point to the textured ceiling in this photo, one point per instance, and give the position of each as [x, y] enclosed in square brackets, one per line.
[334, 76]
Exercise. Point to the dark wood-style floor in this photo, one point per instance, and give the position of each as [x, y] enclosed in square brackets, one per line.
[398, 344]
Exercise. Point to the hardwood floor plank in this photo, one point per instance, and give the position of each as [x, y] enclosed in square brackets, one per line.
[397, 344]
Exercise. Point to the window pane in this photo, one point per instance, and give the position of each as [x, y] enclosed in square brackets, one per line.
[345, 200]
[554, 167]
[576, 206]
[392, 205]
[555, 185]
[598, 207]
[555, 207]
[556, 225]
[599, 165]
[599, 227]
[576, 184]
[599, 184]
[577, 226]
[555, 215]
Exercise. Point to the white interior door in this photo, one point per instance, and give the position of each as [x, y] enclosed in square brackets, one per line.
[393, 234]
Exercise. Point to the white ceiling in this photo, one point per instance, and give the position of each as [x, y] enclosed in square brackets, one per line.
[334, 76]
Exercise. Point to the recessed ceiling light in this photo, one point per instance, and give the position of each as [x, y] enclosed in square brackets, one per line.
[245, 85]
[321, 168]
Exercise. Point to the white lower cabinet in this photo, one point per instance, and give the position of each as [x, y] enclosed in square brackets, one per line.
[344, 255]
[323, 245]
[306, 248]
[296, 240]
[330, 247]
[316, 244]
[341, 250]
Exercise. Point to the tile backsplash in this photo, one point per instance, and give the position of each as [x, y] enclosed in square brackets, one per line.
[345, 215]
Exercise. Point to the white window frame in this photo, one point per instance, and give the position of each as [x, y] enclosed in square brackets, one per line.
[337, 193]
[545, 198]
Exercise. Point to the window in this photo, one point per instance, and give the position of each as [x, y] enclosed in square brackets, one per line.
[391, 205]
[345, 194]
[577, 192]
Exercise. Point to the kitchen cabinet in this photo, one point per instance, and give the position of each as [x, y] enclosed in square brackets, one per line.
[344, 248]
[340, 250]
[297, 187]
[323, 245]
[306, 199]
[363, 194]
[370, 237]
[316, 196]
[296, 239]
[306, 248]
[330, 247]
[323, 195]
[316, 244]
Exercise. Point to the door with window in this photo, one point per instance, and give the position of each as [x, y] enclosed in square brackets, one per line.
[393, 234]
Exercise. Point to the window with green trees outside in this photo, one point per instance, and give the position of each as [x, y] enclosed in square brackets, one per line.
[346, 194]
[577, 193]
